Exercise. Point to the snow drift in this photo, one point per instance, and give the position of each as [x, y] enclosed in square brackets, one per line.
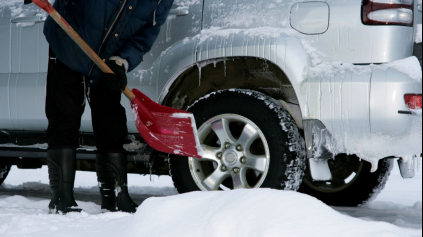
[246, 213]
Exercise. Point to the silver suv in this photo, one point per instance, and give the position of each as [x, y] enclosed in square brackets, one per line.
[315, 96]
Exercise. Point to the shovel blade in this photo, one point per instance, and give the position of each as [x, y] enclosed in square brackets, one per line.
[166, 129]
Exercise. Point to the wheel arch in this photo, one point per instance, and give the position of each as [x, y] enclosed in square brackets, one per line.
[284, 56]
[252, 73]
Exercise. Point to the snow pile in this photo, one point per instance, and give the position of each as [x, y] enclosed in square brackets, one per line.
[419, 34]
[237, 213]
[244, 213]
[247, 213]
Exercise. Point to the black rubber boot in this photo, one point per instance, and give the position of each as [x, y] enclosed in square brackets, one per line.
[61, 170]
[112, 176]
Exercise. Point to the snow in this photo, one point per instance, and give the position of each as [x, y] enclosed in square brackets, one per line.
[409, 66]
[133, 146]
[262, 32]
[195, 131]
[182, 115]
[320, 170]
[419, 34]
[17, 7]
[186, 3]
[43, 146]
[396, 212]
[138, 184]
[248, 213]
[344, 140]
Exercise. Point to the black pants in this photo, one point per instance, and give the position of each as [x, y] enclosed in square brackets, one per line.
[65, 104]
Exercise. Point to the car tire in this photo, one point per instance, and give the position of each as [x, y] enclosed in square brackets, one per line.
[360, 187]
[4, 171]
[278, 141]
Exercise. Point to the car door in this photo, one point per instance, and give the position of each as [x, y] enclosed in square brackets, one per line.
[5, 68]
[28, 57]
[28, 51]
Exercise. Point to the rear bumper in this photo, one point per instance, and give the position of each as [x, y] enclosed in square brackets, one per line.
[360, 111]
[388, 110]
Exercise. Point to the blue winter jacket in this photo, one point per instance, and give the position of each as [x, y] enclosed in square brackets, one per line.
[125, 28]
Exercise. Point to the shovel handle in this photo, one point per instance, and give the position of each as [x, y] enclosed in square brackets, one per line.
[101, 63]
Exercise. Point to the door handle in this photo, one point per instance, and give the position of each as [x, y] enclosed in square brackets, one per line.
[179, 12]
[29, 17]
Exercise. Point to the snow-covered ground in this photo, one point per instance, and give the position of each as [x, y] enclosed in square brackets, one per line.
[396, 212]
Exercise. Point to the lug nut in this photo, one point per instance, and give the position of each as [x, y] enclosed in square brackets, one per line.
[219, 155]
[239, 148]
[224, 168]
[244, 160]
[236, 170]
[227, 145]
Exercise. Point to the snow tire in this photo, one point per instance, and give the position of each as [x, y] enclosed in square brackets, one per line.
[286, 145]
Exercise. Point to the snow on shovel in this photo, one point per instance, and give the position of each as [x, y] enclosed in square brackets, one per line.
[164, 129]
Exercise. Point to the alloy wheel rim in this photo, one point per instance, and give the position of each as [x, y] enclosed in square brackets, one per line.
[236, 154]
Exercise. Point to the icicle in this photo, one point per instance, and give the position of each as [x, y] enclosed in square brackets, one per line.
[20, 47]
[10, 50]
[225, 67]
[168, 30]
[375, 166]
[200, 71]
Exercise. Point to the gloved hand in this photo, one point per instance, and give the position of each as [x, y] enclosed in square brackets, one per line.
[118, 81]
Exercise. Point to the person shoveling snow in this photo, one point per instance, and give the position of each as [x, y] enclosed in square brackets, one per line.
[115, 30]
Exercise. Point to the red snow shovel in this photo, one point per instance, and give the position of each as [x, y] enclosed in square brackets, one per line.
[164, 129]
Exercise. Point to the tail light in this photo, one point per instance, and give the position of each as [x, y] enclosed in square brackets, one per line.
[388, 12]
[413, 101]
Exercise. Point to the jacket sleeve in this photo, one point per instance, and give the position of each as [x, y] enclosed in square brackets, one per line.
[142, 42]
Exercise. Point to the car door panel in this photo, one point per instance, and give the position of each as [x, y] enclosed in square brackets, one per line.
[30, 56]
[5, 118]
[5, 69]
[28, 59]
